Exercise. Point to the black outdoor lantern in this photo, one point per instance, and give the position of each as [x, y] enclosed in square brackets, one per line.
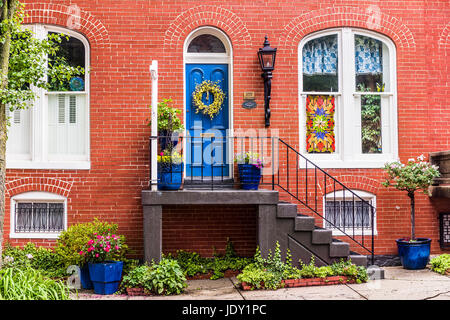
[266, 57]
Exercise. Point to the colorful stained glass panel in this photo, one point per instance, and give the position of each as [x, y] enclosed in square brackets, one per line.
[320, 137]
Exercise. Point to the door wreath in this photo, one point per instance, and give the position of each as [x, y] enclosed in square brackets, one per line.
[208, 87]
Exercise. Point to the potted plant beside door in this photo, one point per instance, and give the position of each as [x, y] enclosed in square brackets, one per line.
[102, 253]
[249, 168]
[170, 169]
[414, 175]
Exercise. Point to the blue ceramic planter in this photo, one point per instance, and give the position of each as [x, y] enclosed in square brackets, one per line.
[85, 278]
[106, 276]
[170, 177]
[414, 255]
[249, 176]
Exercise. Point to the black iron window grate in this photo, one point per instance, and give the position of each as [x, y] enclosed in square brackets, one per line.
[39, 217]
[444, 226]
[347, 214]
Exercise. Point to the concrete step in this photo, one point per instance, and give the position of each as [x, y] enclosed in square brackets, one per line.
[304, 223]
[358, 259]
[286, 210]
[339, 249]
[321, 236]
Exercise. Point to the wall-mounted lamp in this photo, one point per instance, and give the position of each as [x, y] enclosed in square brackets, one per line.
[266, 57]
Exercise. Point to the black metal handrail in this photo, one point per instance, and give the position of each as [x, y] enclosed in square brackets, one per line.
[284, 169]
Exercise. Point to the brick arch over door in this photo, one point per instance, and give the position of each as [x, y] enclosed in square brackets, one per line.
[71, 17]
[366, 18]
[51, 185]
[205, 15]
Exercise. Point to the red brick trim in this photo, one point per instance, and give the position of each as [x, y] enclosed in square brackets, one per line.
[308, 282]
[206, 15]
[444, 38]
[52, 185]
[71, 17]
[347, 16]
[354, 182]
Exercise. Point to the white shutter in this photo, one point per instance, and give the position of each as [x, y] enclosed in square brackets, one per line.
[72, 109]
[61, 109]
[16, 116]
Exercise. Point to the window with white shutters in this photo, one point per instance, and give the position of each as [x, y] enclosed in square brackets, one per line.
[54, 132]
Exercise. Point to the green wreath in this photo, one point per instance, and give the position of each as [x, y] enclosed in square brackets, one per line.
[208, 87]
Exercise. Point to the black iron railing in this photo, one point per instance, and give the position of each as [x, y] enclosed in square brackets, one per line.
[208, 163]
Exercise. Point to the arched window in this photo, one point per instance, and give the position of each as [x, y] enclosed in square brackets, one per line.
[348, 114]
[54, 132]
[206, 43]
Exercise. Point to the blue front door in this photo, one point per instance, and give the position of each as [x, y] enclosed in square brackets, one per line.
[206, 149]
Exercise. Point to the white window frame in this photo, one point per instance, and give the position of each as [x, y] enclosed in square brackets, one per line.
[340, 196]
[36, 197]
[348, 112]
[39, 157]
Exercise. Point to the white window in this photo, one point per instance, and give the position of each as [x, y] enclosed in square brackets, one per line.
[54, 132]
[345, 212]
[348, 111]
[38, 215]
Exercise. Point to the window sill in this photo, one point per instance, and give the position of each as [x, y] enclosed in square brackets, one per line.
[347, 164]
[33, 235]
[57, 165]
[349, 232]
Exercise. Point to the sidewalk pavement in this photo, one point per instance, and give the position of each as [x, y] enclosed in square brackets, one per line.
[399, 284]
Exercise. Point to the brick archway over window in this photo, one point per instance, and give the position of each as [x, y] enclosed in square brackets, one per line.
[353, 182]
[71, 17]
[205, 15]
[51, 185]
[371, 18]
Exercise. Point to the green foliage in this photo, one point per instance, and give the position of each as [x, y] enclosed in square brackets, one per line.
[168, 119]
[137, 277]
[441, 264]
[71, 241]
[268, 273]
[192, 263]
[27, 63]
[30, 284]
[411, 176]
[370, 120]
[39, 258]
[167, 277]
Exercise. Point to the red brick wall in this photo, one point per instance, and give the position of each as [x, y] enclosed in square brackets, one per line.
[125, 36]
[202, 228]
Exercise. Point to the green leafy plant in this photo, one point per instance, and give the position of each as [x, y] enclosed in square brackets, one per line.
[441, 264]
[168, 120]
[30, 284]
[370, 120]
[410, 177]
[167, 277]
[137, 277]
[39, 258]
[72, 241]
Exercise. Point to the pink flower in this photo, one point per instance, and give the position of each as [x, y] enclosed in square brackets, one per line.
[96, 255]
[107, 249]
[90, 249]
[81, 252]
[117, 247]
[90, 242]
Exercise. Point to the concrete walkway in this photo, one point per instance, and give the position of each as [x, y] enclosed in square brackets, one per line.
[399, 284]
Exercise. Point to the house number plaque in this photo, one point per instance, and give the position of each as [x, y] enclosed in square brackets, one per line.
[249, 100]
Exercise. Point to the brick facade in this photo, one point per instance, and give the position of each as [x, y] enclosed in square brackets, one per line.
[125, 36]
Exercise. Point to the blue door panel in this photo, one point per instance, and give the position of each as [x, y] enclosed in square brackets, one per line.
[212, 159]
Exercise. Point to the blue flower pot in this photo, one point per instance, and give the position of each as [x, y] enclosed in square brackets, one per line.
[106, 276]
[414, 255]
[249, 176]
[170, 177]
[85, 278]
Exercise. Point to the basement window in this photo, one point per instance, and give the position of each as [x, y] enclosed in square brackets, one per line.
[348, 213]
[38, 215]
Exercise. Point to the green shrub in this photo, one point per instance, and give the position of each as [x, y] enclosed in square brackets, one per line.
[192, 263]
[30, 284]
[137, 277]
[39, 258]
[71, 241]
[167, 277]
[441, 264]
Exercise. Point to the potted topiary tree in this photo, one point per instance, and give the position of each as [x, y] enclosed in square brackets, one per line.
[414, 175]
[169, 125]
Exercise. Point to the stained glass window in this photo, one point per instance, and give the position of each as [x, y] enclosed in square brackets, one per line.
[206, 43]
[320, 137]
